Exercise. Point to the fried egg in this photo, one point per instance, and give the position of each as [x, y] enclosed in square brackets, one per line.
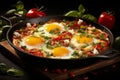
[60, 52]
[83, 42]
[51, 29]
[31, 42]
[59, 40]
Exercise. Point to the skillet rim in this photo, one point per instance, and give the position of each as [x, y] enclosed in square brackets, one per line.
[57, 17]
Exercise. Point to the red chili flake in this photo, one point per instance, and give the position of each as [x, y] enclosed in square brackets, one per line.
[114, 66]
[94, 73]
[46, 69]
[65, 70]
[86, 78]
[59, 71]
[71, 74]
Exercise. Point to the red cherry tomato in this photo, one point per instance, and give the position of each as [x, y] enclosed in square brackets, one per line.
[35, 12]
[107, 19]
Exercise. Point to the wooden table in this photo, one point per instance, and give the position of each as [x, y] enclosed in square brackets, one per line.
[53, 75]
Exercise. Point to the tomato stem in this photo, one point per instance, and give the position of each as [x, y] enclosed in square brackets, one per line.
[41, 8]
[110, 12]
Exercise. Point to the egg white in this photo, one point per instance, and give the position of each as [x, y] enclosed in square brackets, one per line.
[42, 31]
[87, 46]
[23, 43]
[49, 51]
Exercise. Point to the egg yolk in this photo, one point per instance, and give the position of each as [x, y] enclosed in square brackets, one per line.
[32, 40]
[53, 28]
[83, 39]
[60, 51]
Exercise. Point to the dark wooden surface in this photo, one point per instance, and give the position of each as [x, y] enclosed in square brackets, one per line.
[12, 55]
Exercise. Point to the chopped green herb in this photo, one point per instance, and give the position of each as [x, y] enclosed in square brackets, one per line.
[102, 36]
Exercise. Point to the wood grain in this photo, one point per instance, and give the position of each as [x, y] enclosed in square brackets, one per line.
[64, 76]
[6, 45]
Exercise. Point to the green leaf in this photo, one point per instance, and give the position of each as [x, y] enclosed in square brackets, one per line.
[81, 9]
[72, 13]
[80, 14]
[2, 23]
[22, 12]
[3, 68]
[15, 72]
[89, 17]
[19, 5]
[117, 40]
[10, 11]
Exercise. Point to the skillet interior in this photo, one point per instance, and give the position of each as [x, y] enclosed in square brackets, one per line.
[43, 62]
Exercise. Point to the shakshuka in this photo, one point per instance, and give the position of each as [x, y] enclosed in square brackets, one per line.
[61, 39]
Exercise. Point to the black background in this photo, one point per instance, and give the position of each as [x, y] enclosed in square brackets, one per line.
[61, 6]
[94, 7]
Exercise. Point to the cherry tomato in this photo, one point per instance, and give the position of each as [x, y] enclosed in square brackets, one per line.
[35, 12]
[107, 19]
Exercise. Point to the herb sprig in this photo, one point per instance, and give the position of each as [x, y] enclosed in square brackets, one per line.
[80, 13]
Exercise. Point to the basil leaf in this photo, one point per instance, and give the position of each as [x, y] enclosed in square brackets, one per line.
[117, 40]
[80, 14]
[89, 17]
[21, 12]
[10, 11]
[15, 72]
[81, 8]
[2, 23]
[19, 5]
[3, 68]
[73, 13]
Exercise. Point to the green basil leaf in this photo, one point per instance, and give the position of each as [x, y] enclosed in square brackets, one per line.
[6, 26]
[80, 14]
[89, 17]
[3, 68]
[19, 5]
[10, 11]
[15, 72]
[22, 12]
[81, 8]
[2, 23]
[117, 40]
[72, 13]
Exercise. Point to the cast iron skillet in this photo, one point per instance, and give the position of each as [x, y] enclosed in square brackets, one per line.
[62, 63]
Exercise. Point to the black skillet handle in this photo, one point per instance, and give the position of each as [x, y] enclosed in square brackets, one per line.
[111, 53]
